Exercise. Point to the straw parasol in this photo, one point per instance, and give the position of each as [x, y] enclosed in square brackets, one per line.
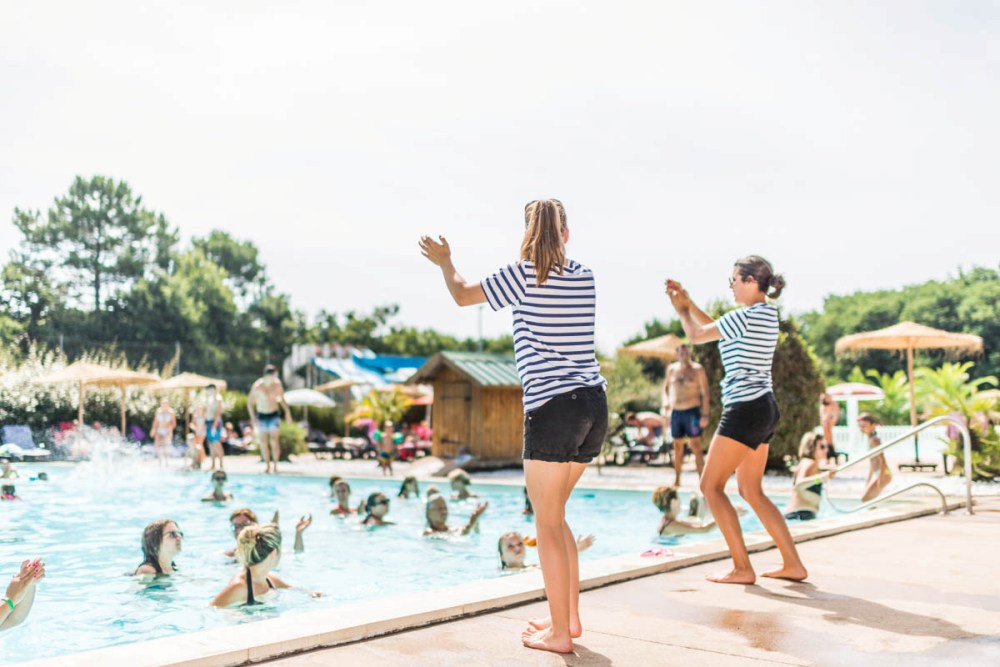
[661, 347]
[188, 382]
[85, 373]
[336, 384]
[911, 336]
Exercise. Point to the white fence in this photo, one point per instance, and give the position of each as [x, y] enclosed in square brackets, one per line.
[851, 440]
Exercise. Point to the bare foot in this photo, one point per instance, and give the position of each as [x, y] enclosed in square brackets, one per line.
[734, 576]
[575, 627]
[795, 573]
[543, 640]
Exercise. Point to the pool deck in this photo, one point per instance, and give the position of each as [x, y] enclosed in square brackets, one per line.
[913, 593]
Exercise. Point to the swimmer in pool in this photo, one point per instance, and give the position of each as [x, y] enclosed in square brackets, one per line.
[245, 516]
[460, 481]
[342, 492]
[512, 546]
[667, 500]
[218, 494]
[409, 488]
[436, 512]
[258, 549]
[376, 507]
[804, 503]
[161, 542]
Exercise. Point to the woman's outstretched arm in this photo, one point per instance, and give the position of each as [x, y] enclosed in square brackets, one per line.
[464, 293]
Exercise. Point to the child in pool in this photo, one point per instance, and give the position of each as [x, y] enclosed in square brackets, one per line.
[511, 547]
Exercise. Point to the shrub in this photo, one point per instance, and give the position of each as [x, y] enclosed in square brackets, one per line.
[292, 439]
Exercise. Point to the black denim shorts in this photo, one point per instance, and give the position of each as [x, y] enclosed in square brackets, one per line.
[570, 427]
[751, 423]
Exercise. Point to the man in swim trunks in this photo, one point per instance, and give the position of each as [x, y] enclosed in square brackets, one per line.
[262, 404]
[686, 401]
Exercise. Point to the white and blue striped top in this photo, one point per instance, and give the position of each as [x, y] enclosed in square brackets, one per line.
[553, 327]
[749, 336]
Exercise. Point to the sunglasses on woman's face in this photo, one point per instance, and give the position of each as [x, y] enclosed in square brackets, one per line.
[175, 534]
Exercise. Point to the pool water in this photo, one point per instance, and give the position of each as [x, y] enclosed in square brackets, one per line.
[87, 523]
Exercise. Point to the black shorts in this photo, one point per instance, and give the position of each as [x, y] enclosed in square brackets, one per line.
[751, 423]
[570, 427]
[685, 423]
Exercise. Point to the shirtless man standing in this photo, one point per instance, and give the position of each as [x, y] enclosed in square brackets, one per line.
[685, 399]
[262, 404]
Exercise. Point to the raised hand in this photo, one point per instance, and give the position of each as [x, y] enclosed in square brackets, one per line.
[584, 542]
[679, 298]
[303, 523]
[437, 252]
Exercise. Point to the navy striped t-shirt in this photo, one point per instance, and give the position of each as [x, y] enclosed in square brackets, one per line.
[553, 327]
[749, 336]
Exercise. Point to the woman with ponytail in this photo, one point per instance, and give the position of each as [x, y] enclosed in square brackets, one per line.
[565, 410]
[258, 549]
[747, 339]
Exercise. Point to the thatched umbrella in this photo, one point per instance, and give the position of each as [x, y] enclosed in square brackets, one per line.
[661, 347]
[187, 382]
[910, 336]
[85, 373]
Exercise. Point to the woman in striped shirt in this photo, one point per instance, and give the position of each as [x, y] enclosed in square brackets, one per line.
[566, 412]
[747, 338]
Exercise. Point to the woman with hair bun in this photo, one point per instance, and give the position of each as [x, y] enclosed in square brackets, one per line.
[747, 339]
[258, 549]
[553, 299]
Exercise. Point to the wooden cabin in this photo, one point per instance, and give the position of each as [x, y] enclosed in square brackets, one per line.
[477, 405]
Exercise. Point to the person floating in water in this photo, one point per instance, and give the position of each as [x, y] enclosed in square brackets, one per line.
[436, 513]
[747, 340]
[512, 548]
[161, 542]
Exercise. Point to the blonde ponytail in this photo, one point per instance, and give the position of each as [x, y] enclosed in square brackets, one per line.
[256, 543]
[544, 221]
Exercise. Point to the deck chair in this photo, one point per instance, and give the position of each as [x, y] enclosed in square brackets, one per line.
[21, 437]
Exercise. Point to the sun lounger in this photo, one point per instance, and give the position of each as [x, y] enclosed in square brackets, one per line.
[22, 444]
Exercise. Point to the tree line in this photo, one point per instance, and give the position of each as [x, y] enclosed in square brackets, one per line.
[100, 271]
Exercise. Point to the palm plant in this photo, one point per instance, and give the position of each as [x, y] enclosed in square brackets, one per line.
[895, 407]
[384, 405]
[948, 390]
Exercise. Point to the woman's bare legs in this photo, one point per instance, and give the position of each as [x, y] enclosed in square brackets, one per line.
[549, 485]
[575, 626]
[748, 476]
[724, 457]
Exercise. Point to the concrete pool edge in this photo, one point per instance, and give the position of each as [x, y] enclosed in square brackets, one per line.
[263, 640]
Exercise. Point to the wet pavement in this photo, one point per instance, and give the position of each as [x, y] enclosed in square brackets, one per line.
[914, 593]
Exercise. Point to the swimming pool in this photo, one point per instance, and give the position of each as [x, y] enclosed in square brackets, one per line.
[86, 523]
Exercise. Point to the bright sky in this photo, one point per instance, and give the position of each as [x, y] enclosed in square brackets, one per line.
[854, 144]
